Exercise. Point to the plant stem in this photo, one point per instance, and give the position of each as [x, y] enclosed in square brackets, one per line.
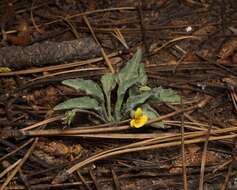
[109, 108]
[104, 113]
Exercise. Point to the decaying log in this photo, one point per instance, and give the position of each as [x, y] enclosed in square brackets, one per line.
[47, 53]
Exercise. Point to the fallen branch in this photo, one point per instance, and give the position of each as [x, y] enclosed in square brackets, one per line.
[47, 53]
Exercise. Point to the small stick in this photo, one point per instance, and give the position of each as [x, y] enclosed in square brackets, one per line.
[94, 180]
[185, 181]
[57, 67]
[204, 155]
[228, 175]
[83, 180]
[122, 150]
[18, 167]
[185, 114]
[108, 62]
[16, 150]
[46, 121]
[9, 168]
[24, 180]
[116, 181]
[142, 25]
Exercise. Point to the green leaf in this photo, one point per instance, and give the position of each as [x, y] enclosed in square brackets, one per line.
[166, 95]
[108, 83]
[132, 66]
[127, 77]
[134, 101]
[142, 75]
[152, 114]
[79, 103]
[157, 94]
[88, 86]
[120, 98]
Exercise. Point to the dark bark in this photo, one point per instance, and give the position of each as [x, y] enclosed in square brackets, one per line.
[47, 53]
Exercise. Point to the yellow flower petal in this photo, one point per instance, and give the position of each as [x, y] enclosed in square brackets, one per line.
[138, 113]
[132, 122]
[139, 122]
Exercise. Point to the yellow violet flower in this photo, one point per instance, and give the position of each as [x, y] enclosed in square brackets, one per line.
[139, 119]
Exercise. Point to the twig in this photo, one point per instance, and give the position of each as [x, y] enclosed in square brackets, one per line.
[116, 181]
[142, 25]
[118, 35]
[122, 136]
[32, 17]
[199, 105]
[56, 67]
[122, 150]
[94, 180]
[80, 14]
[222, 166]
[185, 114]
[59, 132]
[16, 150]
[156, 50]
[44, 122]
[234, 99]
[4, 172]
[93, 12]
[108, 62]
[18, 167]
[227, 177]
[24, 180]
[204, 155]
[185, 181]
[83, 180]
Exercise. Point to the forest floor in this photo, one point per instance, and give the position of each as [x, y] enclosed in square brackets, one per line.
[189, 46]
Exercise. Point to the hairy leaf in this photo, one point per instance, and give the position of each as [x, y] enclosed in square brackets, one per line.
[127, 77]
[88, 86]
[132, 67]
[142, 75]
[166, 95]
[152, 114]
[79, 103]
[108, 83]
[134, 101]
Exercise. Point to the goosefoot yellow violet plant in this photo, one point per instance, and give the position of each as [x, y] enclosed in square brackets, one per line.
[132, 96]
